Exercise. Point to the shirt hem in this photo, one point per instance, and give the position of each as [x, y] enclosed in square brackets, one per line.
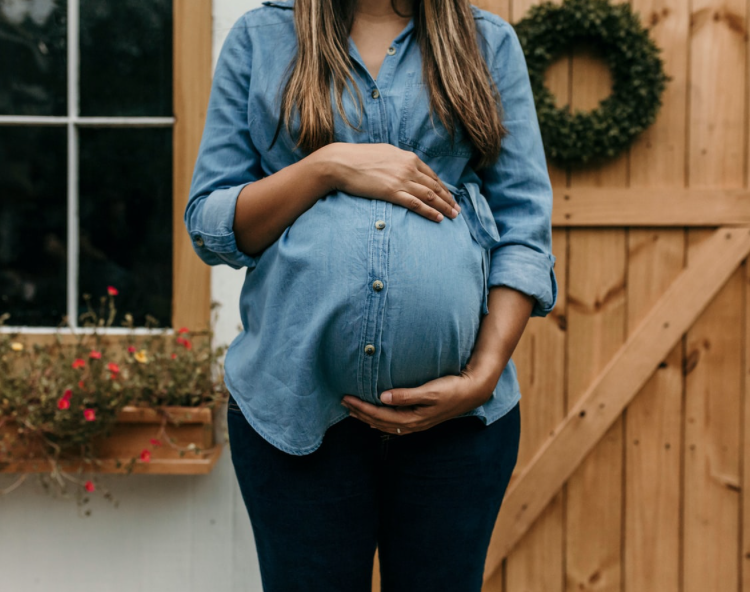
[479, 412]
[488, 419]
[270, 439]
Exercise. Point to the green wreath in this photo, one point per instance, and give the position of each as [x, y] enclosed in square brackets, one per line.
[586, 138]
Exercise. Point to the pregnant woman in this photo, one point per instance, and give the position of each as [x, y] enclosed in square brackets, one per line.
[376, 168]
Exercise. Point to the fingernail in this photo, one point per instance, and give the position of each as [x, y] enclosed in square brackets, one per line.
[454, 211]
[386, 398]
[439, 217]
[457, 207]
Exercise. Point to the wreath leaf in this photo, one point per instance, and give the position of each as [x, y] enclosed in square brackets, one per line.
[574, 138]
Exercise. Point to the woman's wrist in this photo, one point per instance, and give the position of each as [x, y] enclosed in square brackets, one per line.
[327, 162]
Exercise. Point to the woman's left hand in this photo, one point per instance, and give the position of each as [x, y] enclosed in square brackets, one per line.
[420, 408]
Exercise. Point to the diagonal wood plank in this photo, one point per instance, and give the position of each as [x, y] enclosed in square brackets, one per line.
[617, 384]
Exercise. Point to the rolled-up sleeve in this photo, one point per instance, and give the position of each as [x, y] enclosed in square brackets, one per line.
[227, 159]
[518, 188]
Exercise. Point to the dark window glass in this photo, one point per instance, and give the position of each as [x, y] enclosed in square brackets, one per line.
[33, 62]
[126, 220]
[126, 58]
[33, 225]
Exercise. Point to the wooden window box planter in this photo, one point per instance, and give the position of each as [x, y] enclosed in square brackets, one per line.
[188, 428]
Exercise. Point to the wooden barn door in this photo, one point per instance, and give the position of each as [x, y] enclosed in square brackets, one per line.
[635, 447]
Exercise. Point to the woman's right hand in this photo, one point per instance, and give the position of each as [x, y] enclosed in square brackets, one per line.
[386, 172]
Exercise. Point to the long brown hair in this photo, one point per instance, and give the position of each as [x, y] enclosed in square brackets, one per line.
[457, 77]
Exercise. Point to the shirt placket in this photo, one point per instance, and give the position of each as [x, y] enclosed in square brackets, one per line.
[380, 226]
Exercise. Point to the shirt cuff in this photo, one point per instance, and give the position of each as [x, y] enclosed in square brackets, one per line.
[528, 271]
[213, 238]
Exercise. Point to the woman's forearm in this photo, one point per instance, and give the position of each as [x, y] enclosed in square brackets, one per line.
[499, 333]
[268, 206]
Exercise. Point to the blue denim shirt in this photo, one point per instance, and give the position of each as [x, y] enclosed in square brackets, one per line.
[360, 295]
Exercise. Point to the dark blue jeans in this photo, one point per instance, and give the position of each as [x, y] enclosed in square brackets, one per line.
[427, 500]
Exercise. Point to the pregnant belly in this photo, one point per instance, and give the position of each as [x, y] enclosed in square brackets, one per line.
[429, 308]
[433, 309]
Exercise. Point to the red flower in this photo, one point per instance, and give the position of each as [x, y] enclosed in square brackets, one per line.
[112, 367]
[78, 363]
[131, 349]
[112, 291]
[183, 341]
[145, 456]
[67, 394]
[112, 376]
[183, 330]
[155, 442]
[174, 355]
[89, 414]
[80, 384]
[89, 486]
[97, 355]
[63, 403]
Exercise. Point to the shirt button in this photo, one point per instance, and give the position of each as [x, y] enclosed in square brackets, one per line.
[377, 285]
[380, 224]
[198, 240]
[375, 93]
[391, 50]
[369, 349]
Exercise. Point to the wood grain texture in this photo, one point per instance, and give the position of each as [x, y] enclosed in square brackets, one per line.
[191, 295]
[717, 130]
[653, 427]
[712, 431]
[745, 439]
[596, 330]
[592, 416]
[646, 206]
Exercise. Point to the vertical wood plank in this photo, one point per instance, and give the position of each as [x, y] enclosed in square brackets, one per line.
[653, 439]
[717, 129]
[745, 435]
[653, 429]
[537, 561]
[712, 431]
[191, 292]
[745, 441]
[596, 329]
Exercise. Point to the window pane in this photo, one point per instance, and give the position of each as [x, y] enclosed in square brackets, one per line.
[33, 225]
[126, 58]
[33, 62]
[126, 220]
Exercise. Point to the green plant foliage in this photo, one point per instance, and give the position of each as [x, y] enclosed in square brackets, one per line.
[58, 398]
[589, 138]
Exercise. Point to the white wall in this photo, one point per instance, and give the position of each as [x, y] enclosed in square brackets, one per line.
[171, 533]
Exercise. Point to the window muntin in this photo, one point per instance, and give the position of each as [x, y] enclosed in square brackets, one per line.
[121, 102]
